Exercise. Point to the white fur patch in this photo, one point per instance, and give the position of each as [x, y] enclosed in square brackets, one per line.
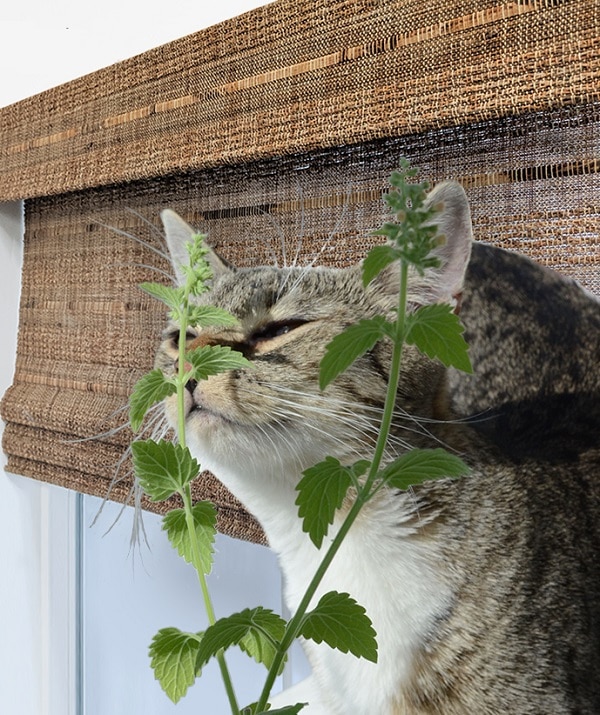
[396, 578]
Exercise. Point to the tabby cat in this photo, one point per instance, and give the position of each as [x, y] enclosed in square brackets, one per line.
[485, 591]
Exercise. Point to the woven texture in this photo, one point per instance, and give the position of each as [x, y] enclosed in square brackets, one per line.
[277, 142]
[300, 75]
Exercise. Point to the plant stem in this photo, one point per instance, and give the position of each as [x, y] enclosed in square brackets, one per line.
[393, 380]
[208, 606]
[181, 385]
[294, 626]
[186, 495]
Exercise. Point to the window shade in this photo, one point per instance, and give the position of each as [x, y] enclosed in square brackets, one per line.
[275, 133]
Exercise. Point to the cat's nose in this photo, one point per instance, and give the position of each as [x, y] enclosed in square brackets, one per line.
[191, 386]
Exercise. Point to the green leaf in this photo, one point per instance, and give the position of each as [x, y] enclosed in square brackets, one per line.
[172, 297]
[437, 332]
[151, 388]
[287, 710]
[343, 624]
[173, 656]
[205, 527]
[163, 468]
[257, 631]
[212, 359]
[377, 259]
[321, 492]
[349, 345]
[204, 316]
[420, 465]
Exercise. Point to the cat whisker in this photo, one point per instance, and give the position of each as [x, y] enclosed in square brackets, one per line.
[377, 412]
[137, 239]
[301, 231]
[276, 226]
[347, 415]
[343, 413]
[153, 228]
[150, 419]
[98, 435]
[478, 417]
[350, 429]
[155, 428]
[106, 434]
[325, 245]
[295, 450]
[146, 266]
[335, 438]
[117, 478]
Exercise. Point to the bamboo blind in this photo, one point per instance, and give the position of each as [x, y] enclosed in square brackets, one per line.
[275, 133]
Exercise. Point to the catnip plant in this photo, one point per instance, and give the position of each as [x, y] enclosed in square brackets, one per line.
[164, 468]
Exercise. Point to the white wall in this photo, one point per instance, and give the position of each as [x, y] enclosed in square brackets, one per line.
[76, 610]
[44, 43]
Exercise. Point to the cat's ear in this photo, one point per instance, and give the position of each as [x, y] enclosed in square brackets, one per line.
[445, 283]
[177, 234]
[454, 224]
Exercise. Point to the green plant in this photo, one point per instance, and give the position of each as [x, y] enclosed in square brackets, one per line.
[164, 468]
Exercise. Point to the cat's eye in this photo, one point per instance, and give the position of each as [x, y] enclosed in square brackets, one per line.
[172, 336]
[274, 330]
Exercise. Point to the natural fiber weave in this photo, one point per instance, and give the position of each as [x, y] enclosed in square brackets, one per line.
[454, 92]
[299, 75]
[87, 332]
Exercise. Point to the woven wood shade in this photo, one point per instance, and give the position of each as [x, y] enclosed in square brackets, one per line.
[301, 75]
[275, 134]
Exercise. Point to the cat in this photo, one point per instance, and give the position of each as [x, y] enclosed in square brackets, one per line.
[484, 591]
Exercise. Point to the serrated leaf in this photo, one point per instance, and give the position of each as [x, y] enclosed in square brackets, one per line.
[378, 258]
[321, 492]
[256, 631]
[213, 359]
[287, 710]
[205, 525]
[173, 656]
[342, 623]
[172, 297]
[359, 468]
[437, 332]
[204, 316]
[151, 388]
[162, 468]
[420, 465]
[349, 345]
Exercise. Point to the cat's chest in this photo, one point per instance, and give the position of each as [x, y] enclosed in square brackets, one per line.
[400, 582]
[388, 563]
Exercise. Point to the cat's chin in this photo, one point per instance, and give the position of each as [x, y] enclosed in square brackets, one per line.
[240, 453]
[199, 418]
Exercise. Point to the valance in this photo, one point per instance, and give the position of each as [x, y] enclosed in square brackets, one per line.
[297, 76]
[275, 133]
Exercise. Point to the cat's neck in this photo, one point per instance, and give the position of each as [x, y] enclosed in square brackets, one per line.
[270, 499]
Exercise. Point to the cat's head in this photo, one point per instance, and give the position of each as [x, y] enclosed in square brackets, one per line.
[272, 419]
